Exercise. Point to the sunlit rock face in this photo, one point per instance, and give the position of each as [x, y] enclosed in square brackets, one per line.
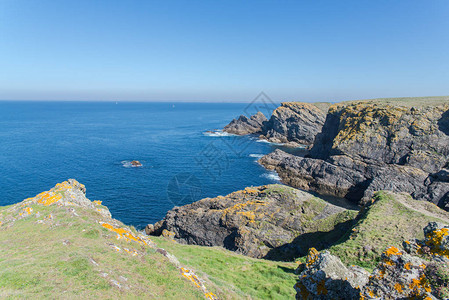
[365, 147]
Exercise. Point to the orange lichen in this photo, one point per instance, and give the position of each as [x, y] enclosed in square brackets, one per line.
[392, 251]
[398, 287]
[312, 256]
[407, 266]
[211, 296]
[26, 211]
[124, 233]
[191, 276]
[47, 198]
[435, 239]
[98, 202]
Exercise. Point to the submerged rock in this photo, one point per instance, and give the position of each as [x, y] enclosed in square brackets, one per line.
[271, 221]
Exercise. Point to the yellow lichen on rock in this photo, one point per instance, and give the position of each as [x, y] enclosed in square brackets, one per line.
[98, 202]
[312, 256]
[124, 233]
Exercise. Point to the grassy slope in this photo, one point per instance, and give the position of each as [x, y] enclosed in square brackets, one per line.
[387, 222]
[70, 256]
[35, 261]
[235, 276]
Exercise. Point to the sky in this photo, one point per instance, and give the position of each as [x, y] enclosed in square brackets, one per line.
[223, 50]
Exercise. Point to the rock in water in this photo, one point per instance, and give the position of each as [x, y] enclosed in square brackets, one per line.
[136, 163]
[244, 125]
[273, 221]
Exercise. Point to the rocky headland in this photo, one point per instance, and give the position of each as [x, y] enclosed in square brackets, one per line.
[369, 146]
[292, 123]
[273, 221]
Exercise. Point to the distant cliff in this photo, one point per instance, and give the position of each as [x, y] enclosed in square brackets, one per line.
[293, 123]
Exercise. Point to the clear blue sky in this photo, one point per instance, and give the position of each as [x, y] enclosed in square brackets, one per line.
[223, 50]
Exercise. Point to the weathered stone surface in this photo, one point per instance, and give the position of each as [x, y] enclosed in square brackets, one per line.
[294, 122]
[326, 277]
[266, 221]
[387, 134]
[368, 147]
[399, 275]
[244, 125]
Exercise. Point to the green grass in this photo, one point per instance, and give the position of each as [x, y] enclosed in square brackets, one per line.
[236, 276]
[35, 262]
[72, 257]
[385, 223]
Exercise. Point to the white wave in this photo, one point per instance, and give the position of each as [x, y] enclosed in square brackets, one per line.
[257, 155]
[268, 142]
[272, 176]
[217, 133]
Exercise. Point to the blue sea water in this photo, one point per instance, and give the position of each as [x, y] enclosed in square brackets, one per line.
[43, 143]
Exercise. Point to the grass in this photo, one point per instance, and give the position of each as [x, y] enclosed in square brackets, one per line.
[235, 276]
[70, 256]
[387, 222]
[73, 256]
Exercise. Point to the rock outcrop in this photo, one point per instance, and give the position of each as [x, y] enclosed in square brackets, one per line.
[294, 122]
[365, 147]
[399, 275]
[271, 221]
[244, 125]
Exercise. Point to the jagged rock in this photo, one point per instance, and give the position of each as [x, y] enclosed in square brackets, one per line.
[325, 277]
[368, 147]
[271, 221]
[342, 176]
[244, 125]
[294, 122]
[397, 276]
[375, 132]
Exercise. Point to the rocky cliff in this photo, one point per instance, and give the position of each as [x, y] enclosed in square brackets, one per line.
[368, 146]
[274, 221]
[418, 272]
[244, 125]
[292, 123]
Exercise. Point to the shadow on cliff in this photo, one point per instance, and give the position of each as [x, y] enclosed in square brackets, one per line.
[320, 240]
[443, 123]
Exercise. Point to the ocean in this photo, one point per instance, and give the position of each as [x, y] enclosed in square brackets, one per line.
[43, 143]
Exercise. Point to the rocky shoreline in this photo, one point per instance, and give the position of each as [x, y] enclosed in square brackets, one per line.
[354, 150]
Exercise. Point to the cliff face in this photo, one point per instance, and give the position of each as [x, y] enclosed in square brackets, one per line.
[365, 147]
[271, 221]
[244, 125]
[292, 122]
